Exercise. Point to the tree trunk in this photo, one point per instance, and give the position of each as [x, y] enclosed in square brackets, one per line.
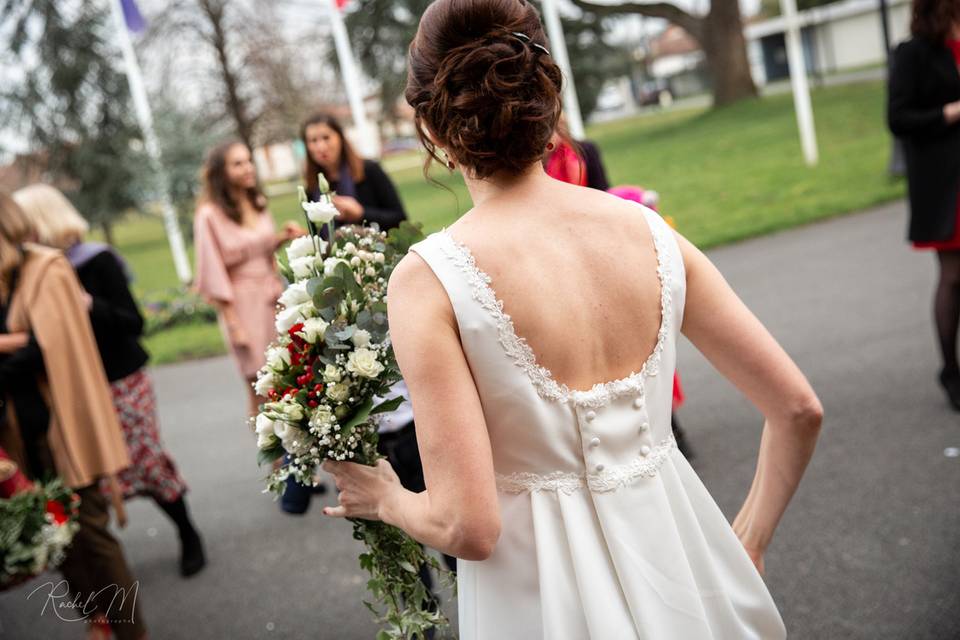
[720, 34]
[726, 52]
[235, 104]
[107, 229]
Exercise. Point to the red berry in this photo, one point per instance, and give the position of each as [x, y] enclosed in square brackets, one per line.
[313, 404]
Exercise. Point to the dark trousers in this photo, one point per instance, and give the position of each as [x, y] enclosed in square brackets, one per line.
[97, 572]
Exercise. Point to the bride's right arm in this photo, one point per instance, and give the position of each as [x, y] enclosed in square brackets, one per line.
[459, 512]
[735, 342]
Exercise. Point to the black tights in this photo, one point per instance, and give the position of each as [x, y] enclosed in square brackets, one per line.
[946, 307]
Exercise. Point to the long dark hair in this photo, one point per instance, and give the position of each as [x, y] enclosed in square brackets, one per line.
[933, 20]
[216, 186]
[347, 153]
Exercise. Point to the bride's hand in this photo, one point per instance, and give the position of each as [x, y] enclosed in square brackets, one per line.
[362, 489]
[757, 557]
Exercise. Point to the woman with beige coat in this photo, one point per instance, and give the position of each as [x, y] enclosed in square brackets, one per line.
[57, 416]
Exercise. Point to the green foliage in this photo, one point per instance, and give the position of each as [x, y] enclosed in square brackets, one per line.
[71, 103]
[172, 308]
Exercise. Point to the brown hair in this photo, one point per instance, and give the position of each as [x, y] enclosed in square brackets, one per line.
[933, 20]
[347, 153]
[483, 84]
[15, 229]
[216, 186]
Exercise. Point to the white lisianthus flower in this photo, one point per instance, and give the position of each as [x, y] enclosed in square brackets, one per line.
[363, 362]
[264, 384]
[355, 261]
[338, 392]
[320, 212]
[350, 248]
[360, 338]
[289, 317]
[265, 431]
[295, 294]
[330, 264]
[303, 267]
[331, 374]
[303, 246]
[313, 329]
[278, 358]
[291, 411]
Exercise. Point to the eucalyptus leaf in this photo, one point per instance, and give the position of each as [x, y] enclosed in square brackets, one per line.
[388, 405]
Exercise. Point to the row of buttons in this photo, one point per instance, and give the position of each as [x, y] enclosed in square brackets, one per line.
[591, 415]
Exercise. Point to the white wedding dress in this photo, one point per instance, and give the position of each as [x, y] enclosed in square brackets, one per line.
[607, 532]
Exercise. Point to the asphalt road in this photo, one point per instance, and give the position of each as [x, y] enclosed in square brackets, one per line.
[868, 548]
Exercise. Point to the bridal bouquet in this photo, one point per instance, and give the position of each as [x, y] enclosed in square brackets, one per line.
[331, 362]
[37, 524]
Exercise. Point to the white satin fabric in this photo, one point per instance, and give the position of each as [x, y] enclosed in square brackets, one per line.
[607, 531]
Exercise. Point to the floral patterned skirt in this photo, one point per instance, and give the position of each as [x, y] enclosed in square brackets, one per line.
[152, 472]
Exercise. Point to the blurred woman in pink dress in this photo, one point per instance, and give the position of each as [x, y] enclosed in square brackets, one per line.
[235, 239]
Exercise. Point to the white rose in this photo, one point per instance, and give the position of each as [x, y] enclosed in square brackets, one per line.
[289, 317]
[363, 362]
[330, 264]
[361, 338]
[331, 373]
[264, 384]
[320, 212]
[302, 246]
[295, 294]
[303, 267]
[278, 358]
[313, 329]
[265, 431]
[338, 392]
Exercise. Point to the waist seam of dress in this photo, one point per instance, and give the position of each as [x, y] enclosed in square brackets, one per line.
[612, 478]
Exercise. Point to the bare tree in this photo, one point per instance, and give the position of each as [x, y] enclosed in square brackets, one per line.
[719, 32]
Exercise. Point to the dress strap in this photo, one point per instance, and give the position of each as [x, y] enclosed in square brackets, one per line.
[437, 252]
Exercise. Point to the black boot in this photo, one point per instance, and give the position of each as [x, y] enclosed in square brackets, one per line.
[680, 437]
[192, 557]
[950, 381]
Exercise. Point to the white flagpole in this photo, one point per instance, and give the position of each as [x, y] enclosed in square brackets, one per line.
[558, 49]
[139, 94]
[798, 79]
[369, 142]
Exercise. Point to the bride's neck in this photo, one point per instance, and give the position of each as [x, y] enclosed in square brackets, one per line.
[495, 186]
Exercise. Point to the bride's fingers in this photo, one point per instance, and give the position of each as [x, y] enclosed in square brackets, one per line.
[338, 511]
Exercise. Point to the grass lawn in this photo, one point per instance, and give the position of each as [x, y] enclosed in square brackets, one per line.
[723, 174]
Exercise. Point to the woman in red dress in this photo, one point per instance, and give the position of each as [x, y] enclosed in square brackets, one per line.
[923, 111]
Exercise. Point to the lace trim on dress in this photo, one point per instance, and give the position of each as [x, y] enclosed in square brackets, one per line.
[520, 351]
[607, 480]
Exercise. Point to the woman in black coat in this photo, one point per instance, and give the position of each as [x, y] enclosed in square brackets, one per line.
[924, 111]
[364, 191]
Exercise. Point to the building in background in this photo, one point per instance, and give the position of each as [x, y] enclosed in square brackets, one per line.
[838, 37]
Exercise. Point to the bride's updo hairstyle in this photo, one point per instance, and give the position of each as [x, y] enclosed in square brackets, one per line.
[483, 85]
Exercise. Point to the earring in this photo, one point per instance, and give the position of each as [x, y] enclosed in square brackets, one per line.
[551, 146]
[450, 165]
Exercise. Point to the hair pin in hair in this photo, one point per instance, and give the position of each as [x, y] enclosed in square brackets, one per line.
[525, 38]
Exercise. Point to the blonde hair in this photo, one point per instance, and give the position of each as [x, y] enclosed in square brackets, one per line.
[14, 231]
[57, 222]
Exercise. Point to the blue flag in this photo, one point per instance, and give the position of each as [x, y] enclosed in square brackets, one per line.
[132, 16]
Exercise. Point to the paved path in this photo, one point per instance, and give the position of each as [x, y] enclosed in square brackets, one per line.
[868, 549]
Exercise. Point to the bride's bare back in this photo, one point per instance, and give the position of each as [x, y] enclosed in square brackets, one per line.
[576, 270]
